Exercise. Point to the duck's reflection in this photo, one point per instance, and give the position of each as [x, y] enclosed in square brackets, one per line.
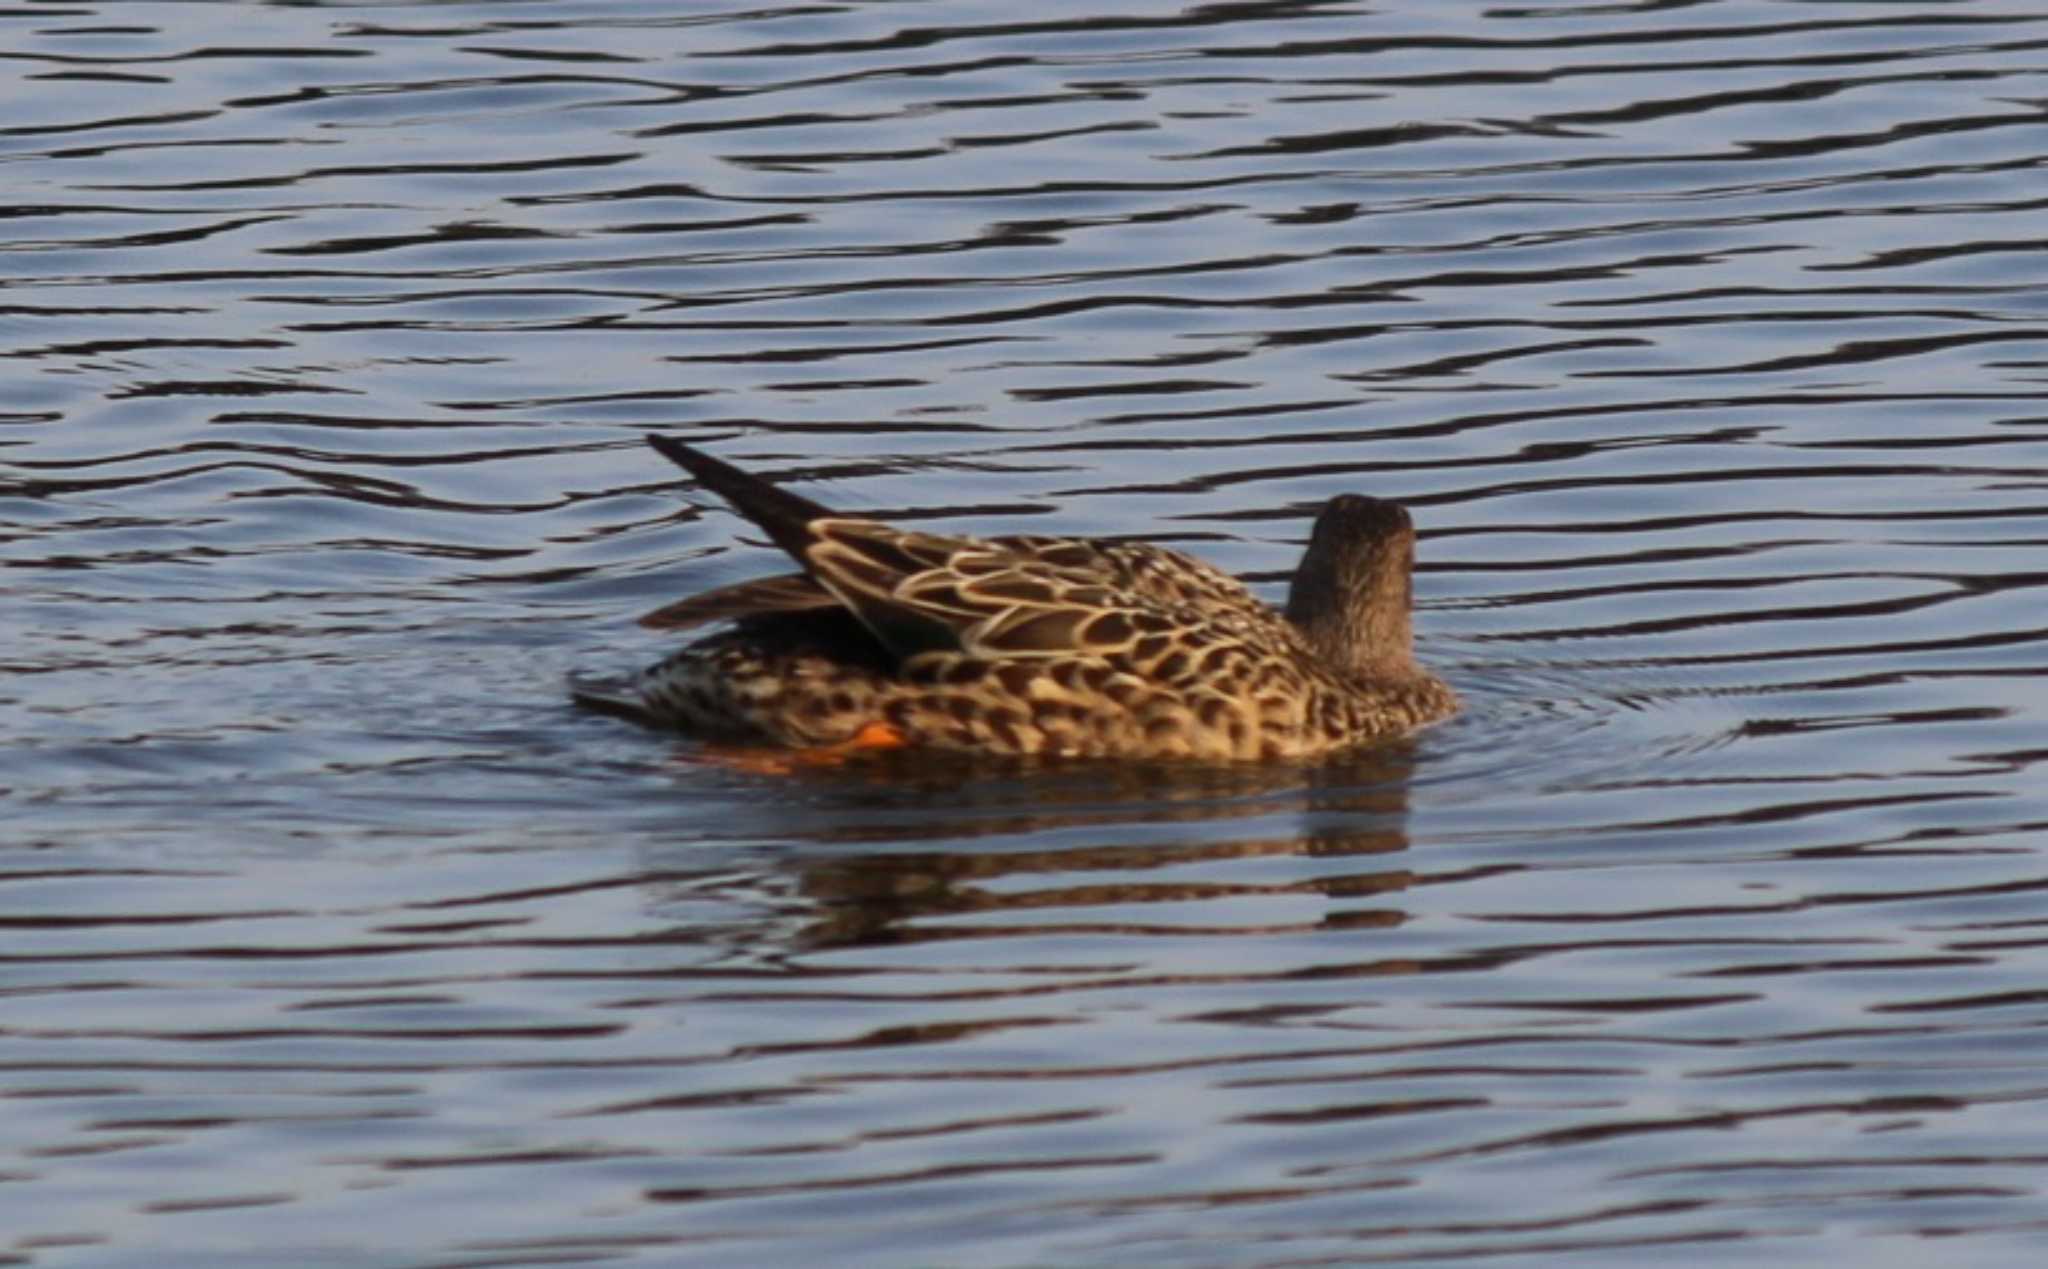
[1102, 850]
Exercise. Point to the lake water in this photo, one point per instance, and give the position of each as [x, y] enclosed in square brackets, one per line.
[1708, 344]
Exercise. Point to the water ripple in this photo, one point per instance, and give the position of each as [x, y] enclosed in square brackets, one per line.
[1706, 345]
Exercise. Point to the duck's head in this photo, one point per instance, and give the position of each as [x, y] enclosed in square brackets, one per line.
[1352, 594]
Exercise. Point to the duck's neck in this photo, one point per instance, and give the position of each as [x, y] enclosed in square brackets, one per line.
[1371, 641]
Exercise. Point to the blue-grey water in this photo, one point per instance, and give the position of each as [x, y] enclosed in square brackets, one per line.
[1707, 342]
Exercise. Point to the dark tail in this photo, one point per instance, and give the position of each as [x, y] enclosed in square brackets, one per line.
[781, 514]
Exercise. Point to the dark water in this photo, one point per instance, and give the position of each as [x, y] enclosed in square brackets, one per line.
[1708, 342]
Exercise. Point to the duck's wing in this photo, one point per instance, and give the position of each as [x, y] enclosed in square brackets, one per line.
[1048, 572]
[863, 565]
[1155, 574]
[904, 587]
[1001, 598]
[996, 599]
[785, 517]
[789, 593]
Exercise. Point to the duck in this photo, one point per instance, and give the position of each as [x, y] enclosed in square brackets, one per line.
[1034, 646]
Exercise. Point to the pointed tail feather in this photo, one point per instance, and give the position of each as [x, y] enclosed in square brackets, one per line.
[609, 696]
[782, 515]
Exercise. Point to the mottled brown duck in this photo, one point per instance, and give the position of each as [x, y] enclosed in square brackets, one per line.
[1033, 645]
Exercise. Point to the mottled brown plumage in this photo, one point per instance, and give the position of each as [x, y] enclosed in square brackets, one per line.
[1041, 645]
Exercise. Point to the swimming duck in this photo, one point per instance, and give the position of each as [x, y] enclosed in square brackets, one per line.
[1032, 645]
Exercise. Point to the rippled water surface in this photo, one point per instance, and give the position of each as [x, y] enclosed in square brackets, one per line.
[1707, 342]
